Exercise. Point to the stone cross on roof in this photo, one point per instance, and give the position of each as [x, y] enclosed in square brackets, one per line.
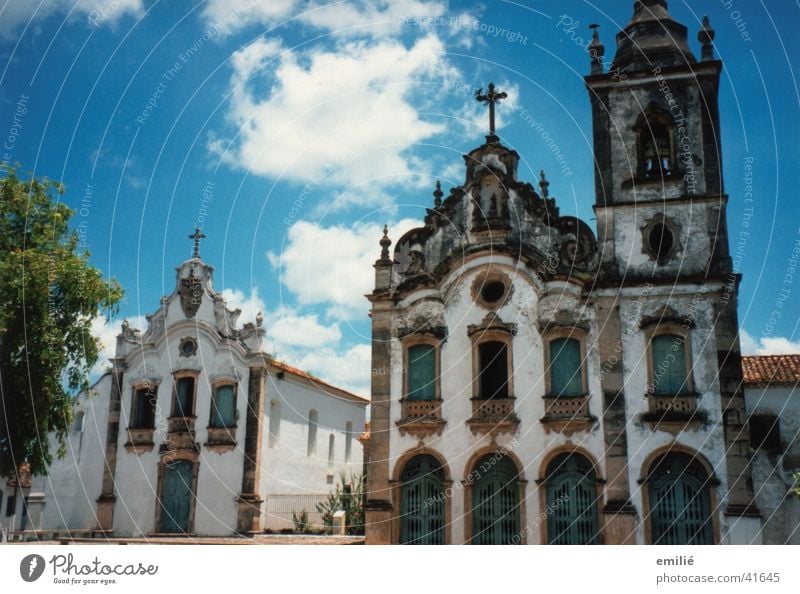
[197, 236]
[491, 97]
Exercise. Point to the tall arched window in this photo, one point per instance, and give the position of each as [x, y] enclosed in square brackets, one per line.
[571, 501]
[274, 423]
[348, 441]
[422, 502]
[311, 449]
[331, 444]
[668, 364]
[77, 426]
[566, 376]
[421, 372]
[495, 501]
[493, 370]
[680, 501]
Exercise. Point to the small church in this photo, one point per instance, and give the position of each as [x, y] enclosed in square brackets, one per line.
[539, 381]
[195, 430]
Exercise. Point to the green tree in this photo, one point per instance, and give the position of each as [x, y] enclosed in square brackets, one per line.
[350, 496]
[49, 295]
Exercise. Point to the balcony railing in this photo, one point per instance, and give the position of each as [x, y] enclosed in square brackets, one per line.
[566, 407]
[180, 424]
[492, 408]
[421, 410]
[680, 404]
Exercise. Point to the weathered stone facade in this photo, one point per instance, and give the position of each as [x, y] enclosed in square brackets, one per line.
[498, 291]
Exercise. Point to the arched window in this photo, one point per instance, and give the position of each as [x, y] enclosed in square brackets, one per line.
[223, 406]
[668, 364]
[571, 501]
[422, 502]
[311, 449]
[77, 425]
[680, 501]
[495, 501]
[274, 423]
[331, 444]
[348, 441]
[421, 372]
[566, 376]
[493, 370]
[655, 144]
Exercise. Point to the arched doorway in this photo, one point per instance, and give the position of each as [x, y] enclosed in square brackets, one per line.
[495, 501]
[680, 501]
[177, 497]
[422, 501]
[571, 501]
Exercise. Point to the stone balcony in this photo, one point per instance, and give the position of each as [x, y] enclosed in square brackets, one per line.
[221, 439]
[140, 440]
[673, 412]
[420, 418]
[493, 416]
[567, 414]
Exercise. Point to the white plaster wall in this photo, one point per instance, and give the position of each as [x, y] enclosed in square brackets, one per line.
[693, 238]
[530, 444]
[642, 440]
[219, 474]
[772, 474]
[286, 467]
[74, 482]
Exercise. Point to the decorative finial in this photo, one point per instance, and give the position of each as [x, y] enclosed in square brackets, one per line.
[706, 38]
[437, 194]
[197, 236]
[259, 319]
[385, 243]
[491, 97]
[596, 50]
[544, 184]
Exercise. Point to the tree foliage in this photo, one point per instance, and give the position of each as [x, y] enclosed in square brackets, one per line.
[350, 496]
[49, 295]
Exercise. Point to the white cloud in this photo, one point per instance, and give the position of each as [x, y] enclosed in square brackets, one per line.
[217, 13]
[249, 304]
[340, 117]
[349, 369]
[373, 17]
[332, 266]
[16, 14]
[356, 17]
[287, 329]
[301, 339]
[106, 334]
[776, 345]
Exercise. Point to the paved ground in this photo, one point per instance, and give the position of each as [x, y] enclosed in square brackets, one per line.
[261, 539]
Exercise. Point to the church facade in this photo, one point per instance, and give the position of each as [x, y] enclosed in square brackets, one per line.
[193, 427]
[536, 381]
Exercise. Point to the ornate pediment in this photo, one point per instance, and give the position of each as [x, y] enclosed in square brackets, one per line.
[492, 322]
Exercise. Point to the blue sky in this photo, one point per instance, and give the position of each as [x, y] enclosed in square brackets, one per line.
[290, 131]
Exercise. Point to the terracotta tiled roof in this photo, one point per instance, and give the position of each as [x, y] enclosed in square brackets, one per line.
[775, 370]
[307, 376]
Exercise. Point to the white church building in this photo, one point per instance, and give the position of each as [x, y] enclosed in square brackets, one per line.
[193, 428]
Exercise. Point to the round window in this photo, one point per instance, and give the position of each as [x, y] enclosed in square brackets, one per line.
[493, 291]
[188, 347]
[661, 241]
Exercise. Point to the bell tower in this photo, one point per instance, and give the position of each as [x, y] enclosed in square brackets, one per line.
[662, 235]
